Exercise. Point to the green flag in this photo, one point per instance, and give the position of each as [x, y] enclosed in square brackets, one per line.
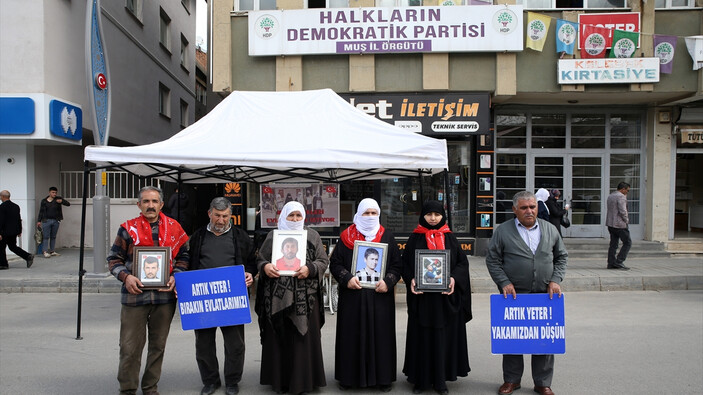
[624, 44]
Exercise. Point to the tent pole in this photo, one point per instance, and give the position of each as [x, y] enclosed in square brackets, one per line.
[81, 272]
[447, 197]
[422, 196]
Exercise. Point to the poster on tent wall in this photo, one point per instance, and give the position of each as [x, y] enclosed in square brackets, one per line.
[321, 202]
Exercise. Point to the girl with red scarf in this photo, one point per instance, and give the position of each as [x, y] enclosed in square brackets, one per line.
[365, 349]
[436, 350]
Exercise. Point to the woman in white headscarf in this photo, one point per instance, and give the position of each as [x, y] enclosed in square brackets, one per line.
[291, 350]
[365, 347]
[542, 211]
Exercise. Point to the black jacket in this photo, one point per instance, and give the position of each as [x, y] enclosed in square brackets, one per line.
[10, 221]
[245, 256]
[45, 203]
[555, 212]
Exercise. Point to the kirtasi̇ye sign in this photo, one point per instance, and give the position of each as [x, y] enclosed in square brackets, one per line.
[529, 324]
[608, 71]
[385, 30]
[429, 114]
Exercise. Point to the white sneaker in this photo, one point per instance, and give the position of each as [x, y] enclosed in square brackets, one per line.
[55, 253]
[47, 255]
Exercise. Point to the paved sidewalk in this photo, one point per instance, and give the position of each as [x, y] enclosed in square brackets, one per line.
[60, 274]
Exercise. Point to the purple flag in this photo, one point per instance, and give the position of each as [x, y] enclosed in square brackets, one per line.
[664, 49]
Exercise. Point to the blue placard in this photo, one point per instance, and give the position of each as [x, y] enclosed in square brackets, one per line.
[212, 297]
[530, 324]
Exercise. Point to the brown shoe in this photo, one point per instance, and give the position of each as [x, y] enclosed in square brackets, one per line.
[543, 390]
[508, 388]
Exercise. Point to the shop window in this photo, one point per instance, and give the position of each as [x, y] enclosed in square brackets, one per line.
[511, 131]
[164, 101]
[135, 8]
[548, 131]
[254, 5]
[165, 30]
[625, 131]
[674, 3]
[200, 92]
[549, 172]
[588, 131]
[511, 178]
[626, 167]
[550, 4]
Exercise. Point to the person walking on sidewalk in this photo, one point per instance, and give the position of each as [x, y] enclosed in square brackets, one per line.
[216, 245]
[527, 255]
[10, 229]
[145, 314]
[617, 220]
[50, 216]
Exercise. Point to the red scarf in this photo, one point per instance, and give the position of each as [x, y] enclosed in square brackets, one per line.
[170, 234]
[351, 234]
[434, 237]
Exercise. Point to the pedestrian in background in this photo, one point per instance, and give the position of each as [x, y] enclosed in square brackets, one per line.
[542, 211]
[436, 349]
[527, 256]
[220, 244]
[556, 213]
[10, 230]
[145, 314]
[50, 217]
[617, 221]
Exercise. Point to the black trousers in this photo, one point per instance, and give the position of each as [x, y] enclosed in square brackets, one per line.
[11, 243]
[617, 235]
[206, 354]
[542, 369]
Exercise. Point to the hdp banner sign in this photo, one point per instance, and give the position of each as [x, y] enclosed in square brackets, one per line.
[213, 297]
[530, 324]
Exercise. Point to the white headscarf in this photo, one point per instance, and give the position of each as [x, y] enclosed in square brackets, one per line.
[370, 224]
[284, 224]
[542, 195]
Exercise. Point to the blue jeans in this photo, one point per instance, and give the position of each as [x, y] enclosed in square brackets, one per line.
[50, 228]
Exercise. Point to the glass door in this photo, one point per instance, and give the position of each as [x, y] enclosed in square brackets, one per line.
[583, 190]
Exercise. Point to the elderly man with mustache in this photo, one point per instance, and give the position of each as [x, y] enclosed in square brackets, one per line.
[527, 255]
[146, 310]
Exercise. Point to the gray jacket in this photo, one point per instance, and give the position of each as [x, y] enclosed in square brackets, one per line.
[616, 216]
[510, 260]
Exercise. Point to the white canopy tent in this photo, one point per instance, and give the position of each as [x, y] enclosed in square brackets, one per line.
[266, 137]
[281, 136]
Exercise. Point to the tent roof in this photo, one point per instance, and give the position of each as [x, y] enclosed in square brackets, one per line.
[281, 136]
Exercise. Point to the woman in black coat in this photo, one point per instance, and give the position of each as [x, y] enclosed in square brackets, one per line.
[555, 211]
[436, 349]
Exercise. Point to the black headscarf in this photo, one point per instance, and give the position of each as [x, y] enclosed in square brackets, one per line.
[433, 206]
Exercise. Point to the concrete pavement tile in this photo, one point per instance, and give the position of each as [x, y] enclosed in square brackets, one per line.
[578, 284]
[614, 283]
[694, 282]
[660, 283]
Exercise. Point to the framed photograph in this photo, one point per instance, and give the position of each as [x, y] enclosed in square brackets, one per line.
[369, 262]
[432, 270]
[289, 249]
[152, 266]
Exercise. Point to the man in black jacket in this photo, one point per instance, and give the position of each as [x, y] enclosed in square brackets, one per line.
[10, 229]
[50, 216]
[215, 245]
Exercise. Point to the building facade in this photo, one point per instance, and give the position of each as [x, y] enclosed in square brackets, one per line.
[548, 129]
[45, 108]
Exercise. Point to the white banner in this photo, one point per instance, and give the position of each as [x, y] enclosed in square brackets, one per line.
[608, 71]
[386, 30]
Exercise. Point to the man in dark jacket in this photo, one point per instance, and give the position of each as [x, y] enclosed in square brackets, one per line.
[50, 216]
[10, 229]
[215, 245]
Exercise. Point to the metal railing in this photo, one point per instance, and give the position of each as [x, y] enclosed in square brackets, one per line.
[119, 185]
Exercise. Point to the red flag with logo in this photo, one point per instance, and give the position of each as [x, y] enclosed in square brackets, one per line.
[267, 190]
[594, 41]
